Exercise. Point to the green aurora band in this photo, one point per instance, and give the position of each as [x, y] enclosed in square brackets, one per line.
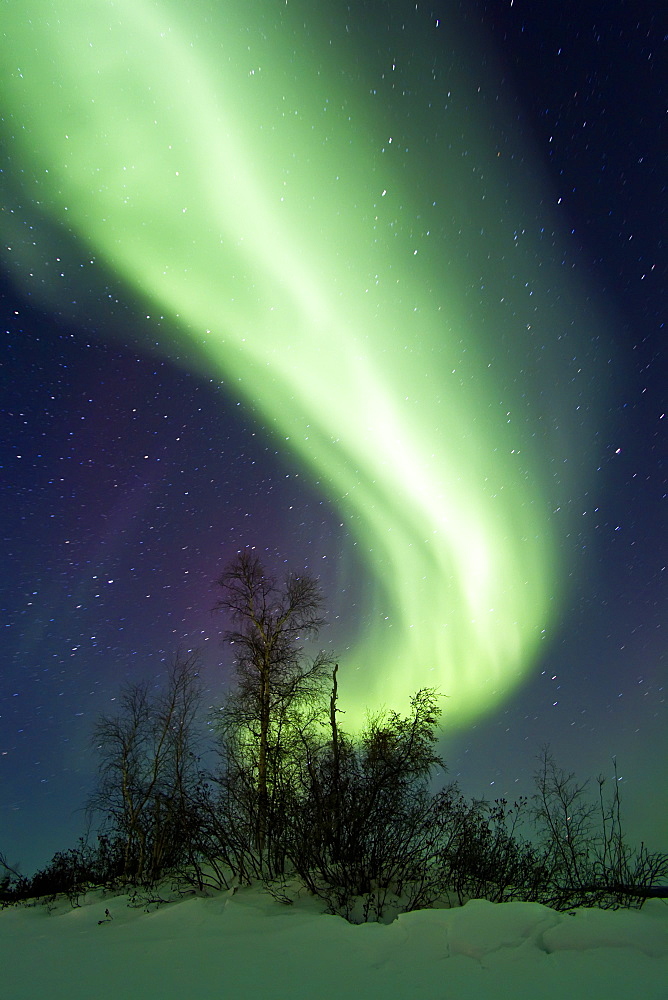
[223, 166]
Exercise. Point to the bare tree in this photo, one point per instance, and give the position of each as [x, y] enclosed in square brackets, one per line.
[586, 858]
[277, 687]
[147, 765]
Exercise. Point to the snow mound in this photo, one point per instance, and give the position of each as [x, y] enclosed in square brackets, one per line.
[233, 946]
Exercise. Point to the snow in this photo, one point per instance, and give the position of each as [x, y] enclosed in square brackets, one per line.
[247, 944]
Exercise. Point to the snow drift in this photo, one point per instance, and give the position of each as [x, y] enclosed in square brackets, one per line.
[246, 944]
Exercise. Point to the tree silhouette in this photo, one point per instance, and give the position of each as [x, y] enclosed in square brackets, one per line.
[147, 769]
[277, 687]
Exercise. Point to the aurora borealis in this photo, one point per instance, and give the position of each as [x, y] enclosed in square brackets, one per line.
[378, 383]
[338, 222]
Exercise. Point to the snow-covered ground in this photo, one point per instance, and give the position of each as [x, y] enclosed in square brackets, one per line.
[246, 944]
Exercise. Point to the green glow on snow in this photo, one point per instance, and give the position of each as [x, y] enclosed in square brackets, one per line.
[219, 165]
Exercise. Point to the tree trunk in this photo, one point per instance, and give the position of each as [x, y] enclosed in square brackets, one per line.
[262, 789]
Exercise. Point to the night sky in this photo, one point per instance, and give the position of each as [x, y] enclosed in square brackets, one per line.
[383, 297]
